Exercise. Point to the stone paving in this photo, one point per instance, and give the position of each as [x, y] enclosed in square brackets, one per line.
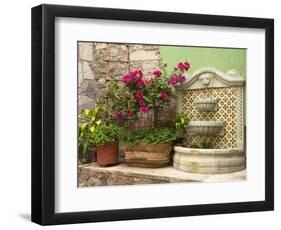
[122, 174]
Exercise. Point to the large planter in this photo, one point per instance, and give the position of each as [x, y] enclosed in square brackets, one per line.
[209, 161]
[206, 105]
[148, 156]
[206, 128]
[107, 155]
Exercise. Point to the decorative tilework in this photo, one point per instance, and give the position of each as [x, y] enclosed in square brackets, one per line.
[229, 110]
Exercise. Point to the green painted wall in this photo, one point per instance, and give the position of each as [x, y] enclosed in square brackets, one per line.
[220, 58]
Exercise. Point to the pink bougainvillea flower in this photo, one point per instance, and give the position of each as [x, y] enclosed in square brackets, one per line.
[142, 82]
[140, 72]
[184, 66]
[118, 115]
[138, 96]
[164, 96]
[143, 109]
[136, 72]
[134, 78]
[130, 113]
[128, 78]
[142, 102]
[157, 73]
[176, 79]
[187, 65]
[181, 79]
[172, 80]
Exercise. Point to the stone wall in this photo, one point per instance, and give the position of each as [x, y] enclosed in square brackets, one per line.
[93, 66]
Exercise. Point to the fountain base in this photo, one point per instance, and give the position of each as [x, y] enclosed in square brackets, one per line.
[209, 161]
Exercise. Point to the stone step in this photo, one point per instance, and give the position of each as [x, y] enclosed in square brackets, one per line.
[122, 174]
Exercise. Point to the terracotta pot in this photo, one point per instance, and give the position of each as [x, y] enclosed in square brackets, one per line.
[148, 156]
[107, 155]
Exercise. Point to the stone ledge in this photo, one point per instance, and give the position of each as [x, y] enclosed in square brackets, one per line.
[122, 174]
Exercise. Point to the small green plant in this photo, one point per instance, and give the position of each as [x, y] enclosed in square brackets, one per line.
[194, 146]
[181, 121]
[89, 119]
[150, 136]
[206, 145]
[104, 134]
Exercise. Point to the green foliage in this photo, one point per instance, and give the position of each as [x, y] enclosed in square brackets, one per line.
[194, 146]
[181, 120]
[150, 136]
[105, 134]
[207, 145]
[119, 97]
[204, 145]
[156, 86]
[181, 123]
[89, 119]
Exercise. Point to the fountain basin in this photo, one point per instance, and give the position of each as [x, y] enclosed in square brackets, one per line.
[209, 161]
[206, 128]
[206, 105]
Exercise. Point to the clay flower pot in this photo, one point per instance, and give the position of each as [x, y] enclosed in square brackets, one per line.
[107, 155]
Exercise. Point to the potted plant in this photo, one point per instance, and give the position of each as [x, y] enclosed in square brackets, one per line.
[140, 99]
[180, 125]
[106, 139]
[149, 148]
[88, 119]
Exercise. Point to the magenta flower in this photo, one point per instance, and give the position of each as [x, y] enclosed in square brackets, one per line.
[181, 79]
[134, 78]
[157, 73]
[142, 82]
[118, 115]
[138, 96]
[143, 109]
[128, 78]
[176, 79]
[140, 72]
[142, 102]
[172, 80]
[187, 65]
[130, 113]
[164, 96]
[184, 66]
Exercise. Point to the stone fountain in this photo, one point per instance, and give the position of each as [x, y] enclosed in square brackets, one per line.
[214, 103]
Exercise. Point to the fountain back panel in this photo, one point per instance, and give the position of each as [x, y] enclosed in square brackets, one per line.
[221, 125]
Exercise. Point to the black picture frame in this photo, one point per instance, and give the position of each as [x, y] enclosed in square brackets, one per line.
[43, 114]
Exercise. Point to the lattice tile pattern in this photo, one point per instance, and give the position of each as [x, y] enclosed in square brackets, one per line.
[226, 111]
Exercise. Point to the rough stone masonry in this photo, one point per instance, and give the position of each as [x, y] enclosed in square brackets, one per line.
[93, 69]
[93, 66]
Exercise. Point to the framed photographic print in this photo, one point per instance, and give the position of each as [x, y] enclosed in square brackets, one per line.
[143, 114]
